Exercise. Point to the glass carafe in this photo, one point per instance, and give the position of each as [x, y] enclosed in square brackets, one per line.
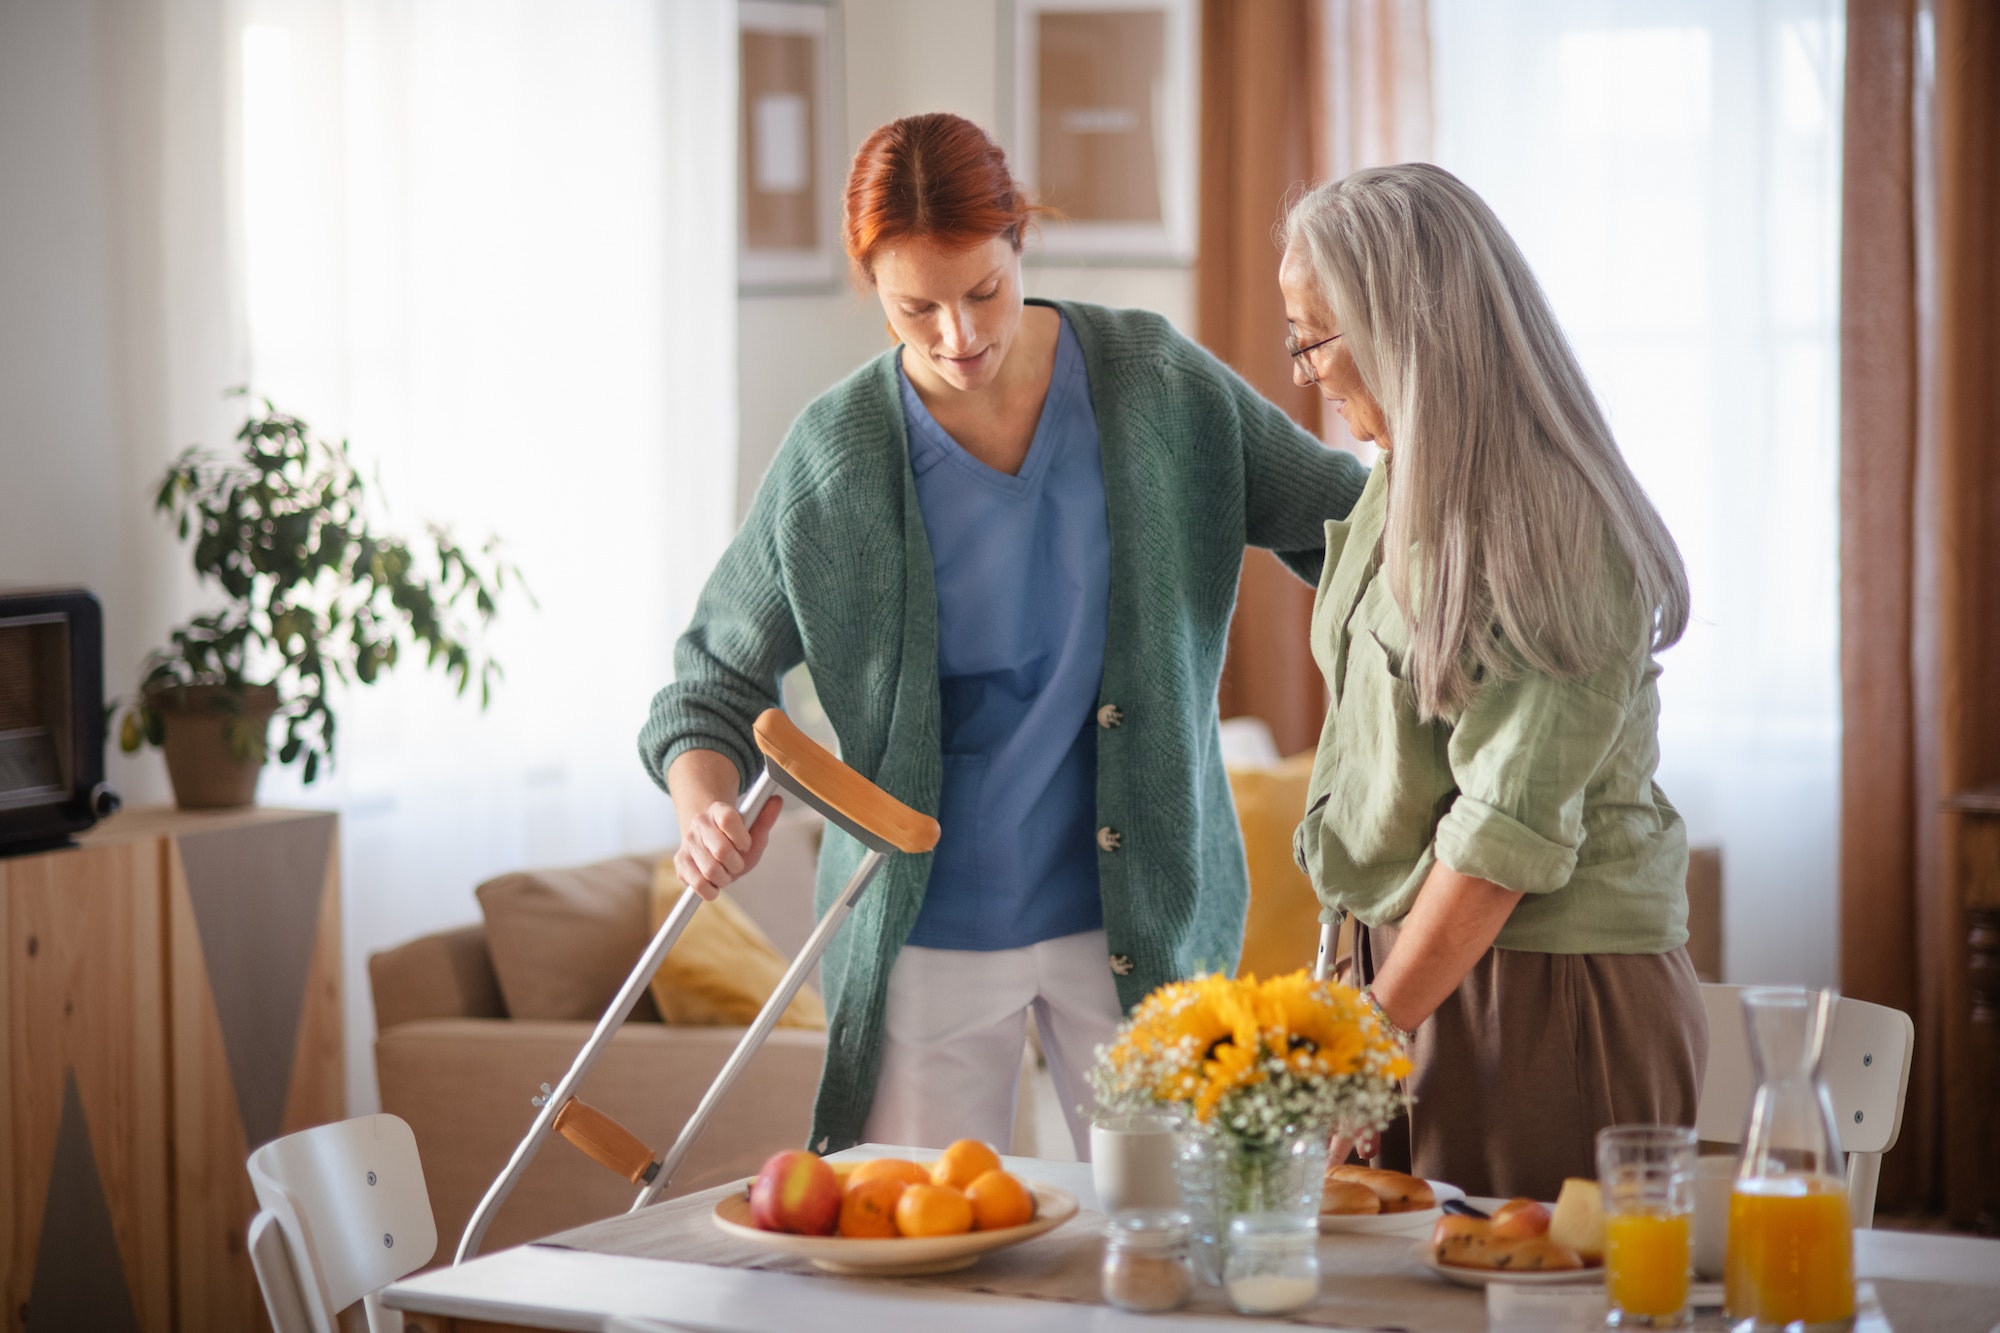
[1791, 1239]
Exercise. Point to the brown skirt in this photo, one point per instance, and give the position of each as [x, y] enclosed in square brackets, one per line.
[1533, 1054]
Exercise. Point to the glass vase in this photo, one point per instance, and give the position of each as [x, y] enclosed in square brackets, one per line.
[1224, 1177]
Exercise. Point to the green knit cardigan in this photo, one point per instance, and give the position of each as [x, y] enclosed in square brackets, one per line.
[832, 568]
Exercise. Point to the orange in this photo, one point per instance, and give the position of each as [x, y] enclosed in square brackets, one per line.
[933, 1210]
[964, 1162]
[868, 1209]
[999, 1200]
[889, 1168]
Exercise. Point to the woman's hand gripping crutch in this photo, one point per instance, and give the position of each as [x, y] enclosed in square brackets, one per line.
[795, 764]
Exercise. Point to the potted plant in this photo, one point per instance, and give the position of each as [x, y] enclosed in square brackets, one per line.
[315, 588]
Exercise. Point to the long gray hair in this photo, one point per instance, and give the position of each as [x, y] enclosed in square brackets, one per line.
[1510, 500]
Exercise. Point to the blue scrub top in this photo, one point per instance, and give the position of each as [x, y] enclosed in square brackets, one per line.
[1023, 566]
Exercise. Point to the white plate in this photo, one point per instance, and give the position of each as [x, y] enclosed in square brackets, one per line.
[1417, 1223]
[1480, 1277]
[901, 1256]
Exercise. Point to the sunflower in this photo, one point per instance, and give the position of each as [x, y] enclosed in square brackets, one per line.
[1322, 1032]
[1232, 1066]
[1262, 1056]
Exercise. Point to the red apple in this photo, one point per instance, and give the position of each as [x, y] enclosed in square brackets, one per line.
[796, 1192]
[1519, 1219]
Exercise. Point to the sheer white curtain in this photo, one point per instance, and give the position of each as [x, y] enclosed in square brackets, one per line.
[492, 244]
[1671, 168]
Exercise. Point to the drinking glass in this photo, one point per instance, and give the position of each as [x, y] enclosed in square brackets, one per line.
[1646, 1174]
[1273, 1263]
[1132, 1161]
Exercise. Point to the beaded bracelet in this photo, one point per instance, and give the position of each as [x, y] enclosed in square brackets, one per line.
[1407, 1038]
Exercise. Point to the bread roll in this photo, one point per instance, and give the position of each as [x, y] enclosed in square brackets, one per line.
[1535, 1254]
[1461, 1241]
[1398, 1192]
[1469, 1242]
[1348, 1198]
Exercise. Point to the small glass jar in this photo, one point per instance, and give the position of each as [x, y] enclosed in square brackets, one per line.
[1272, 1263]
[1147, 1266]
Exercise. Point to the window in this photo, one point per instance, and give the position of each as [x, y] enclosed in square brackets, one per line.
[1672, 170]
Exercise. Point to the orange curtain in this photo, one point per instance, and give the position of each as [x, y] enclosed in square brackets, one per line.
[1257, 139]
[1920, 543]
[1292, 92]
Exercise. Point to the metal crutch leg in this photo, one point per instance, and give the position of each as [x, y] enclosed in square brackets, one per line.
[802, 768]
[1329, 940]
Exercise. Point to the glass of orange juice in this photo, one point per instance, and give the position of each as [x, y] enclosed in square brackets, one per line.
[1646, 1174]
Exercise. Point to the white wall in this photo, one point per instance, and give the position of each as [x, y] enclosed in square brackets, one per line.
[114, 342]
[108, 362]
[902, 58]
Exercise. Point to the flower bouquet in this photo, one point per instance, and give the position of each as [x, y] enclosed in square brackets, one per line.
[1261, 1075]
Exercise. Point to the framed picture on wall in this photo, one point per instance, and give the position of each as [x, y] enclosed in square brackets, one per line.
[1104, 97]
[787, 176]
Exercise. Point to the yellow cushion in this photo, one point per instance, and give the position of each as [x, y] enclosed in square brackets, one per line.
[722, 968]
[1281, 933]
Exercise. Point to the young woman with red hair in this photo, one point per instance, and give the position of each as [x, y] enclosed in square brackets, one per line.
[1007, 549]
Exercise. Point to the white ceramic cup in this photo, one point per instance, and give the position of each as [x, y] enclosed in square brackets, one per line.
[1713, 1179]
[1132, 1162]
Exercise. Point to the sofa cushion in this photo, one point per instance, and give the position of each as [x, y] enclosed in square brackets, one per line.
[723, 968]
[1281, 931]
[563, 941]
[448, 974]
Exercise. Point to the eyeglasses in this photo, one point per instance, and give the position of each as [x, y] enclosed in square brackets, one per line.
[1295, 351]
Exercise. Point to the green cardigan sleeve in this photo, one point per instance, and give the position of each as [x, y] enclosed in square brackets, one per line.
[1292, 481]
[742, 640]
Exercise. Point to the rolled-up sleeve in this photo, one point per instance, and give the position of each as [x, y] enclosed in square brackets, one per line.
[1523, 757]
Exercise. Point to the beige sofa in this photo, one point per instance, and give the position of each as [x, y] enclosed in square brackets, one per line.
[453, 1064]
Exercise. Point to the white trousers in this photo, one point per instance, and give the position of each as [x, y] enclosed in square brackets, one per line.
[953, 1032]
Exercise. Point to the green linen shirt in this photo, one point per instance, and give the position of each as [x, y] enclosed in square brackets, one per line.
[833, 567]
[1541, 786]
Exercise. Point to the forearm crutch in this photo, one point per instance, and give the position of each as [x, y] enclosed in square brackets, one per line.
[794, 763]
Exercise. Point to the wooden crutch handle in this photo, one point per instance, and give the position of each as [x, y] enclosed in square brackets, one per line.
[605, 1141]
[845, 793]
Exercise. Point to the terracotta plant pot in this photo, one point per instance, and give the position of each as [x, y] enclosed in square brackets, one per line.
[207, 770]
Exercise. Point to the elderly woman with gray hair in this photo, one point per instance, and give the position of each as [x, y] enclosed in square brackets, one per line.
[1483, 801]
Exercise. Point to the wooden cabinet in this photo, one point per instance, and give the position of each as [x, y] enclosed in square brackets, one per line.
[172, 991]
[1975, 1107]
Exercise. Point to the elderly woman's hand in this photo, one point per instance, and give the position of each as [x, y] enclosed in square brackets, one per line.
[1363, 1146]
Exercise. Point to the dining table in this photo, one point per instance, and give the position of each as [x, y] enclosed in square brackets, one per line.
[669, 1263]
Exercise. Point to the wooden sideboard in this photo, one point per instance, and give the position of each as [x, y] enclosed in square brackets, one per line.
[1979, 869]
[173, 1000]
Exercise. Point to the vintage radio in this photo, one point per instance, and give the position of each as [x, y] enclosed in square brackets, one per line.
[51, 717]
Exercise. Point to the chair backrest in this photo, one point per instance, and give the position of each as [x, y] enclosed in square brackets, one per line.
[349, 1204]
[277, 1276]
[1867, 1073]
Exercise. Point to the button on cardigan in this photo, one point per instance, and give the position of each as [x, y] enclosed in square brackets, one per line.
[832, 568]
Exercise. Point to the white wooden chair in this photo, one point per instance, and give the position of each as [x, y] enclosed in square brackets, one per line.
[1867, 1071]
[344, 1214]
